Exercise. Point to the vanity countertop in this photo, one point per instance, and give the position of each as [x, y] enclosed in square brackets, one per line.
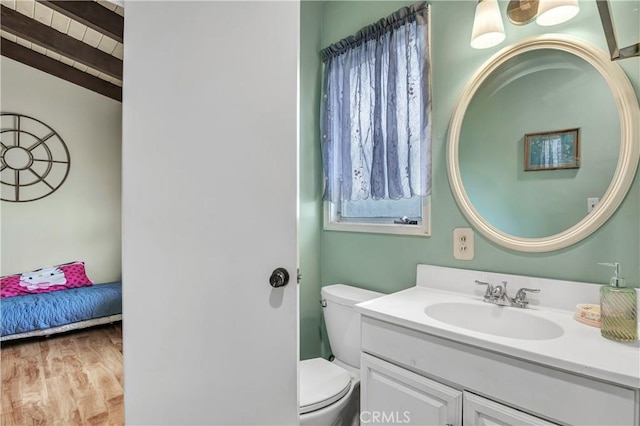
[580, 349]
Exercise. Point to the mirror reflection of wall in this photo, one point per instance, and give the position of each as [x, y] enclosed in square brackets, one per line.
[537, 91]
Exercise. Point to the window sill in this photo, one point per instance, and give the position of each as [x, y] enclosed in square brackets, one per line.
[392, 228]
[422, 230]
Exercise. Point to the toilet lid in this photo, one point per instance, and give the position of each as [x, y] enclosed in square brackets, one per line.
[321, 383]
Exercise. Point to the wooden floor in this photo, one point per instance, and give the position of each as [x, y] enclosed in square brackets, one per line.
[70, 379]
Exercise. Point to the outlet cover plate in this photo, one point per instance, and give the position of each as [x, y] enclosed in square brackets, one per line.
[463, 247]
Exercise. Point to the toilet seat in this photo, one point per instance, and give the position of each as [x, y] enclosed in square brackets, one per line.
[321, 384]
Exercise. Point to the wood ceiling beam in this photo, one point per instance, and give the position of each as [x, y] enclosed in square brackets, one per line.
[22, 26]
[92, 15]
[51, 66]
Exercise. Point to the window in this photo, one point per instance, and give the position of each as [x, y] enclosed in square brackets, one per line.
[376, 139]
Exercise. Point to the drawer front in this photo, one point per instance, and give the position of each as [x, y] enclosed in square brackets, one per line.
[542, 391]
[394, 396]
[479, 411]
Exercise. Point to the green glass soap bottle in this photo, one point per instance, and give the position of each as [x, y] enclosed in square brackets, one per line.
[619, 309]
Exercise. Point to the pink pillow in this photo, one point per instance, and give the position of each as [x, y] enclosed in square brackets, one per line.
[45, 280]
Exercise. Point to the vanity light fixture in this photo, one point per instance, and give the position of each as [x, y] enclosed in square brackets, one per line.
[488, 30]
[554, 12]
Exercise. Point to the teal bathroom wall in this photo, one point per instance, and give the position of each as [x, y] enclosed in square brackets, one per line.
[310, 213]
[388, 263]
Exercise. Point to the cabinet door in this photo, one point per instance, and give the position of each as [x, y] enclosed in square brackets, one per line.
[480, 411]
[391, 395]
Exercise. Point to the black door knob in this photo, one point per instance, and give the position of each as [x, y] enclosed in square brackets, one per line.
[279, 278]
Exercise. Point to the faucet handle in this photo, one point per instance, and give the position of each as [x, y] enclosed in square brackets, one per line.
[489, 291]
[521, 296]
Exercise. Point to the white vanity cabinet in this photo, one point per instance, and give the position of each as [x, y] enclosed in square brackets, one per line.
[438, 381]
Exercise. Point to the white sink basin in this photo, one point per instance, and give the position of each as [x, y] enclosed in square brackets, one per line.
[495, 320]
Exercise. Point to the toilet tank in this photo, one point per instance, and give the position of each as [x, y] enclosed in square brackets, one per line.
[343, 321]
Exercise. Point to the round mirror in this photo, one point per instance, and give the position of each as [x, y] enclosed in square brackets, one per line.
[544, 143]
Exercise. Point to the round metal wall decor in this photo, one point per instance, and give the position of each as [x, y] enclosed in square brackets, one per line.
[34, 159]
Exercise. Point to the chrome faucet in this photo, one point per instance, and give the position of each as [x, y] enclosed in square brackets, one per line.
[498, 295]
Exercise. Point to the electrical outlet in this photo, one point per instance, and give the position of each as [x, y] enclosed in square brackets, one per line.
[592, 203]
[463, 244]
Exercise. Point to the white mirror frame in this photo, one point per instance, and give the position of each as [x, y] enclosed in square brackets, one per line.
[629, 114]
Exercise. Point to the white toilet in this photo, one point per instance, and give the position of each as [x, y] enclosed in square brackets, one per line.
[330, 391]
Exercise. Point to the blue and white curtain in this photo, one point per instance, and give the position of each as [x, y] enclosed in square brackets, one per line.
[375, 124]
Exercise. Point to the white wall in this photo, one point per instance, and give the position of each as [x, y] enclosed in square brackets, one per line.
[81, 220]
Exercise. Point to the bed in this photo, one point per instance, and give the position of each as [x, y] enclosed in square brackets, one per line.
[44, 314]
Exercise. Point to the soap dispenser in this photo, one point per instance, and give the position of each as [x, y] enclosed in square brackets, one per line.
[619, 309]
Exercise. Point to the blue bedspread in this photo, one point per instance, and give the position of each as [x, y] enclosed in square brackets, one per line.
[41, 311]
